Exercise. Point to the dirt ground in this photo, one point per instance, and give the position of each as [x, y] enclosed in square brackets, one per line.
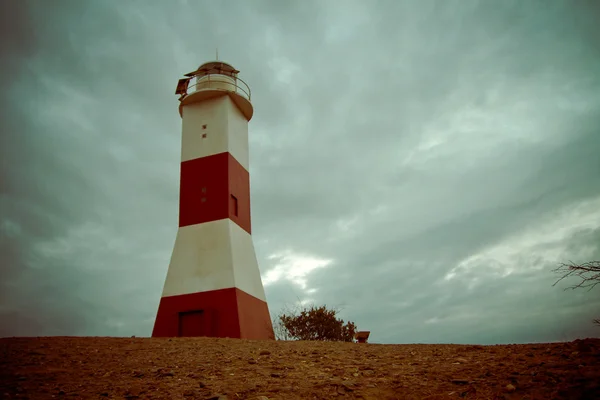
[205, 368]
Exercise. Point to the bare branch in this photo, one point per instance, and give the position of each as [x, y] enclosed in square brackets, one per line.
[588, 273]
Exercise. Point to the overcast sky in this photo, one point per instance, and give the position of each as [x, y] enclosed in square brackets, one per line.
[421, 165]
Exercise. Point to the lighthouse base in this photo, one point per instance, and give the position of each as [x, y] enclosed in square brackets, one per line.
[227, 312]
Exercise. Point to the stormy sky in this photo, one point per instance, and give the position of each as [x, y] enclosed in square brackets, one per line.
[420, 165]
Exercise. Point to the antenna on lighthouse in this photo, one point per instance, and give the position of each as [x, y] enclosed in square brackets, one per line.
[217, 53]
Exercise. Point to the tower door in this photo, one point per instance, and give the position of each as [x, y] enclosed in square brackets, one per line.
[193, 323]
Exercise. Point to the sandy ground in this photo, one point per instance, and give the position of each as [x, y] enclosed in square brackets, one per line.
[204, 368]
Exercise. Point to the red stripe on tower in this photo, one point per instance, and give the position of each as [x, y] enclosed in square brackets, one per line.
[213, 188]
[213, 285]
[226, 313]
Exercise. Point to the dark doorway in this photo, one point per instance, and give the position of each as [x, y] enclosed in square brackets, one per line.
[193, 323]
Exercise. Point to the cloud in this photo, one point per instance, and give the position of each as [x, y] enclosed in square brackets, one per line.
[293, 267]
[392, 145]
[541, 244]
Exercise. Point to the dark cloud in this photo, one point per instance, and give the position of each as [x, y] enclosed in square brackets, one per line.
[423, 166]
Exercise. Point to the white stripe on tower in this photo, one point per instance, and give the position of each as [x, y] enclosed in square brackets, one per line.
[224, 125]
[221, 242]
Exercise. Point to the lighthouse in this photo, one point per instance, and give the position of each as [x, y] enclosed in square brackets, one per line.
[213, 286]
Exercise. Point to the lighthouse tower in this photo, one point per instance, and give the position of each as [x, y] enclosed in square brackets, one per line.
[213, 285]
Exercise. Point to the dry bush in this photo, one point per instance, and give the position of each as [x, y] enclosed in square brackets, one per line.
[313, 323]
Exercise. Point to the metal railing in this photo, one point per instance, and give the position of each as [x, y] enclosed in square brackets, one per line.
[220, 82]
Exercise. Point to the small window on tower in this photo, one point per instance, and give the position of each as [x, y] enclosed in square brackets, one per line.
[203, 126]
[234, 205]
